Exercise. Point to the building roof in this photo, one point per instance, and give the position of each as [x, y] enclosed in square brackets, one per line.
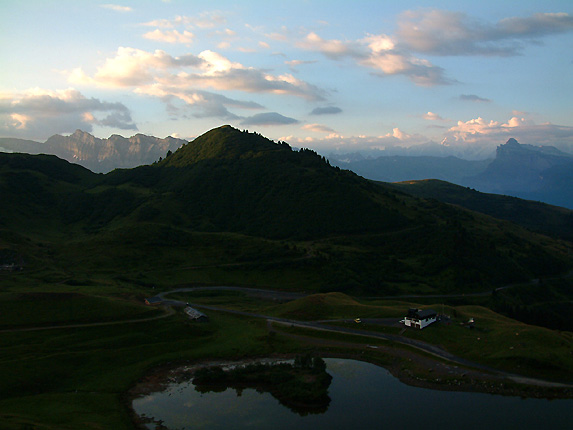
[427, 313]
[194, 313]
[421, 314]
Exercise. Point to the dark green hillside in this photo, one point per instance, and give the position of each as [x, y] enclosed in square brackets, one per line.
[37, 190]
[267, 189]
[223, 143]
[536, 216]
[229, 180]
[235, 207]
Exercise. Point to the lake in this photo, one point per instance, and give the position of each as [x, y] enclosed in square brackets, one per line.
[363, 396]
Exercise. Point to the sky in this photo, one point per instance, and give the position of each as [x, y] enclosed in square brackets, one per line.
[330, 75]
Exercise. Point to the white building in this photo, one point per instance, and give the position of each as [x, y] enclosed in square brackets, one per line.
[194, 314]
[419, 318]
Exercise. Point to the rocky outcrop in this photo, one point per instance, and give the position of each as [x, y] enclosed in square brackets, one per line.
[103, 155]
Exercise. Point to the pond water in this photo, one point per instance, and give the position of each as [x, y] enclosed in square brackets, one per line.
[363, 396]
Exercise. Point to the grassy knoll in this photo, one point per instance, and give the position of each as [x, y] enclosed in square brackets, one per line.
[313, 307]
[333, 306]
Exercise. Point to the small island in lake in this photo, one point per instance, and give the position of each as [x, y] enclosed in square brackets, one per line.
[301, 386]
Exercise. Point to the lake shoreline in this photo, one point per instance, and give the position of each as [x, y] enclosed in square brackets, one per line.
[438, 376]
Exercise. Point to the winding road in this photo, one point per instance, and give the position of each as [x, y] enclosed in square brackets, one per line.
[323, 325]
[169, 304]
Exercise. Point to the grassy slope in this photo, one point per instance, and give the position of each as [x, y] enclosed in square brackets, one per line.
[536, 216]
[75, 378]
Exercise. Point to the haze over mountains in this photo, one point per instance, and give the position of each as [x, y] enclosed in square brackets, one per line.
[541, 173]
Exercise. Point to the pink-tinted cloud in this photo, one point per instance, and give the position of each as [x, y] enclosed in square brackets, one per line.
[39, 113]
[381, 54]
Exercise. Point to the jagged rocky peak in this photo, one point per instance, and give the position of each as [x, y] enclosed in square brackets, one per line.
[83, 136]
[513, 147]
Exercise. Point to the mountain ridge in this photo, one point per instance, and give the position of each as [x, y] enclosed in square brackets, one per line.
[98, 155]
[542, 173]
[530, 172]
[356, 234]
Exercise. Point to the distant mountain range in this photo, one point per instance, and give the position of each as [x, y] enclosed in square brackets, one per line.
[541, 173]
[238, 205]
[98, 155]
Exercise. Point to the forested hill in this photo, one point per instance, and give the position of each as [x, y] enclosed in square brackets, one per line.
[342, 230]
[230, 180]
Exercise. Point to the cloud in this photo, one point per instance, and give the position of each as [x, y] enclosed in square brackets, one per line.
[168, 36]
[188, 79]
[446, 33]
[442, 33]
[204, 20]
[294, 63]
[205, 104]
[379, 52]
[133, 67]
[269, 118]
[327, 110]
[136, 68]
[339, 143]
[472, 139]
[39, 113]
[318, 128]
[474, 98]
[117, 8]
[479, 127]
[431, 116]
[539, 24]
[525, 130]
[333, 49]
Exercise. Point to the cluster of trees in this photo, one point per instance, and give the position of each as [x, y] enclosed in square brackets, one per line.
[301, 386]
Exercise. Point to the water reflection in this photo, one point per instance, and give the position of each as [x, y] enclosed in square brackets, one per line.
[298, 408]
[300, 385]
[361, 395]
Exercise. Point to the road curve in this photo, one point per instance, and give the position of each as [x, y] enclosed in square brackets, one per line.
[321, 325]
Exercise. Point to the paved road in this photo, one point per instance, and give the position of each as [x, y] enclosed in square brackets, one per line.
[324, 326]
[316, 325]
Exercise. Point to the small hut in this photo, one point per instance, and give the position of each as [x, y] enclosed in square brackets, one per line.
[195, 315]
